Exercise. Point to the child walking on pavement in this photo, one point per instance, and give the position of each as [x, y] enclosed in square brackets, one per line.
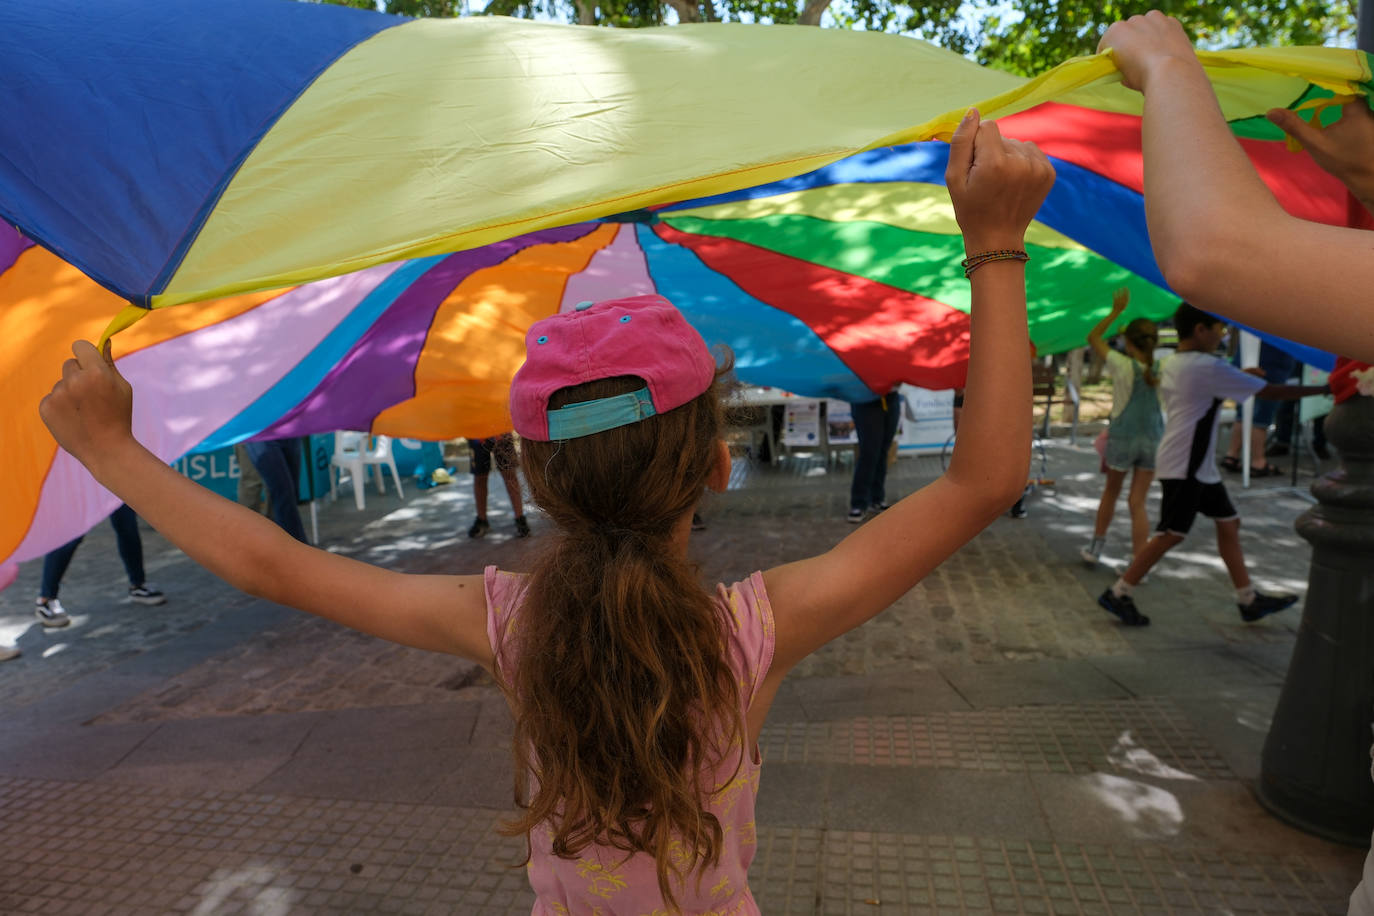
[1135, 427]
[1193, 384]
[638, 695]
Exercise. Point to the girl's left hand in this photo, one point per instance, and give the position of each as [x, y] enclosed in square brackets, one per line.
[90, 411]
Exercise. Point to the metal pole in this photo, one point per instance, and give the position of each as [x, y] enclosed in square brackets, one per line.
[1364, 35]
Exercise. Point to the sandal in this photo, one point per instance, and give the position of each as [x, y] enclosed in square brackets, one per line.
[1267, 471]
[1231, 464]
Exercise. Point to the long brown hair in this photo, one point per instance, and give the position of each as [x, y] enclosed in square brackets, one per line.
[624, 700]
[1136, 332]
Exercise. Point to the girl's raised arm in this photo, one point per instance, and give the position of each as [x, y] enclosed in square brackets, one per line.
[1221, 239]
[997, 185]
[1097, 336]
[89, 413]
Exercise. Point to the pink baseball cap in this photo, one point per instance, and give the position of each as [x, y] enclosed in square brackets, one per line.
[645, 336]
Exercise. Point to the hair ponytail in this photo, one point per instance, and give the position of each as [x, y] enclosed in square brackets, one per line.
[1136, 332]
[625, 701]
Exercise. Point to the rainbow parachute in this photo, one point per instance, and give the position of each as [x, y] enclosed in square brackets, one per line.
[781, 184]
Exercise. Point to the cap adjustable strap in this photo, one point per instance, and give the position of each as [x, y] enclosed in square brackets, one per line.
[588, 417]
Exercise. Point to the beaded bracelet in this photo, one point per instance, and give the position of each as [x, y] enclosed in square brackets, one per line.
[973, 262]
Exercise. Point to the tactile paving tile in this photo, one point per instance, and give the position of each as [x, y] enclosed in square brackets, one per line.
[88, 848]
[1145, 736]
[874, 873]
[78, 848]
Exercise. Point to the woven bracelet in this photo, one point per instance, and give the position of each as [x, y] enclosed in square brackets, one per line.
[973, 262]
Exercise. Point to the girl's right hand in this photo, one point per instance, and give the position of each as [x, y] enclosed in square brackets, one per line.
[997, 185]
[1141, 43]
[90, 411]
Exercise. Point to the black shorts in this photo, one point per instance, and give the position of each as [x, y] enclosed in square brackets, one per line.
[1184, 499]
[501, 447]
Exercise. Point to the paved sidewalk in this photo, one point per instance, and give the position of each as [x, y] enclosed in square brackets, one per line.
[994, 743]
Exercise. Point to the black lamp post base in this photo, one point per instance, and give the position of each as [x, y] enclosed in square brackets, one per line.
[1315, 815]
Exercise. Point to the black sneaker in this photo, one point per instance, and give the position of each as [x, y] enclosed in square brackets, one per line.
[147, 594]
[855, 516]
[522, 527]
[479, 528]
[1123, 606]
[1019, 510]
[1264, 605]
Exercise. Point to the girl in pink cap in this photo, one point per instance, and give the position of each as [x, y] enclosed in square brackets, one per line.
[638, 695]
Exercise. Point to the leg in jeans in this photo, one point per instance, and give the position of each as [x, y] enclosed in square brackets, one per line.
[130, 543]
[55, 567]
[892, 415]
[869, 423]
[278, 461]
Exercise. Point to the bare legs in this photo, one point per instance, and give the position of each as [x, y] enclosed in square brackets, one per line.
[1111, 492]
[1228, 547]
[1145, 558]
[511, 477]
[1140, 521]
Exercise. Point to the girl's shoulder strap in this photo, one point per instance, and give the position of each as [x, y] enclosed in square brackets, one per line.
[752, 637]
[505, 592]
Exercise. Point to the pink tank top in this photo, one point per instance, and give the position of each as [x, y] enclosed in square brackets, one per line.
[600, 882]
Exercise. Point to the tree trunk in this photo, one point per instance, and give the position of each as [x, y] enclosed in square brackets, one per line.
[686, 11]
[586, 12]
[811, 13]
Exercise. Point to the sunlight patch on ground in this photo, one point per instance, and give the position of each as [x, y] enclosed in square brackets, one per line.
[1126, 754]
[1149, 811]
[248, 890]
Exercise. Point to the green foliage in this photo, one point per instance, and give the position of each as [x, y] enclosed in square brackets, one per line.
[1053, 31]
[1030, 36]
[413, 8]
[1023, 36]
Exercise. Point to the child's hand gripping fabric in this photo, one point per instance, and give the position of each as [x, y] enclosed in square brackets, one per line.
[1221, 239]
[996, 185]
[1345, 148]
[89, 412]
[1142, 45]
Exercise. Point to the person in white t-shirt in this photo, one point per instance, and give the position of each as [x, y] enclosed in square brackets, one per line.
[1193, 384]
[1136, 425]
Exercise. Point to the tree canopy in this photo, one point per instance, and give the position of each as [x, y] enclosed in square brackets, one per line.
[1023, 36]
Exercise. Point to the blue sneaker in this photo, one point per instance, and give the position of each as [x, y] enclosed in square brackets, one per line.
[1123, 607]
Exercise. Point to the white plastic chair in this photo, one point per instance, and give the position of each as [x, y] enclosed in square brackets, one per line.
[351, 453]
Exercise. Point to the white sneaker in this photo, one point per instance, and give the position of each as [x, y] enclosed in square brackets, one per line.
[9, 652]
[51, 613]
